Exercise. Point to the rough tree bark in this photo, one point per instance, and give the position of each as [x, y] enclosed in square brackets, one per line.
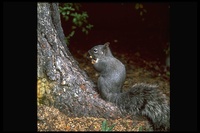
[61, 83]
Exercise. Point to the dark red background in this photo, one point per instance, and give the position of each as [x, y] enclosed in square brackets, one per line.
[122, 22]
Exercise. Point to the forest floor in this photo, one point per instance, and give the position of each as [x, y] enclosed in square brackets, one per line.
[138, 71]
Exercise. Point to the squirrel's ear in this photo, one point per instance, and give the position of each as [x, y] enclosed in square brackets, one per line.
[107, 44]
[107, 49]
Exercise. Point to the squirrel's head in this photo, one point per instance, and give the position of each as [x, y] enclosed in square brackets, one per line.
[99, 51]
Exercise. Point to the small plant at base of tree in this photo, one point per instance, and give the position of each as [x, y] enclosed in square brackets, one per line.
[105, 127]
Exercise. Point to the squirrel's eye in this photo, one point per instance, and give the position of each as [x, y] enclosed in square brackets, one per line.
[95, 50]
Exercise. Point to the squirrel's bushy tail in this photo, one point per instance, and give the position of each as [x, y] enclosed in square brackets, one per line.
[146, 100]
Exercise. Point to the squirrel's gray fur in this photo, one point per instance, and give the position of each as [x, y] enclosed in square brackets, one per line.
[141, 98]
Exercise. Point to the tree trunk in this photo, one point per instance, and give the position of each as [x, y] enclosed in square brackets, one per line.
[61, 83]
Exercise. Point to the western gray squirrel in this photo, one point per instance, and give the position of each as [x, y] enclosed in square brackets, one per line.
[141, 98]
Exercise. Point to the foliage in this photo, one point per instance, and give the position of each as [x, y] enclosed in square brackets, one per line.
[79, 19]
[143, 128]
[140, 128]
[104, 126]
[140, 8]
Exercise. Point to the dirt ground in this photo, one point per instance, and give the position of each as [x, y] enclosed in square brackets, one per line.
[138, 71]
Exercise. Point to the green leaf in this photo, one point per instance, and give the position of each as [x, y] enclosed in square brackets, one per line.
[140, 128]
[89, 26]
[84, 14]
[66, 40]
[104, 125]
[141, 13]
[72, 33]
[65, 8]
[77, 6]
[68, 12]
[66, 18]
[141, 6]
[144, 10]
[63, 13]
[168, 73]
[110, 128]
[79, 23]
[83, 29]
[73, 27]
[74, 14]
[74, 20]
[137, 6]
